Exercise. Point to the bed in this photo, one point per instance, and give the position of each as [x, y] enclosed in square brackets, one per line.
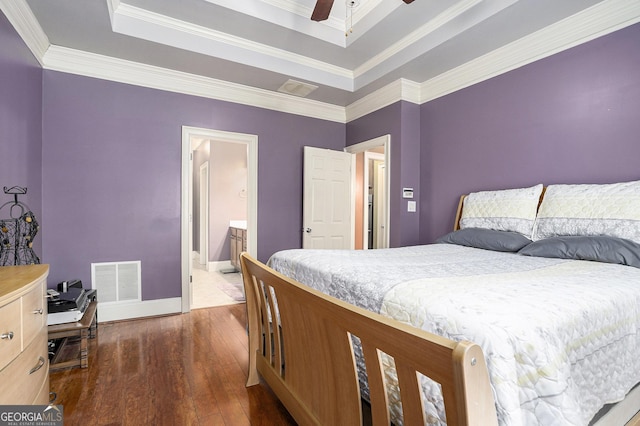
[546, 284]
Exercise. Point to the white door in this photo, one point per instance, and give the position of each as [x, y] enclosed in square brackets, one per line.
[326, 217]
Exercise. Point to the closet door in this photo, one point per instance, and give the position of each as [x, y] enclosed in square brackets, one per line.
[326, 218]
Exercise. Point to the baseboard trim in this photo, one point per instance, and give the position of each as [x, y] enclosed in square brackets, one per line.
[220, 265]
[147, 308]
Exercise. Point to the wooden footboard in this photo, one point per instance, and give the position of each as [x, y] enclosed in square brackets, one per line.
[300, 343]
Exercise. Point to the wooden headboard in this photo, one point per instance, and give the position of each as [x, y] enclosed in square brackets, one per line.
[456, 223]
[300, 344]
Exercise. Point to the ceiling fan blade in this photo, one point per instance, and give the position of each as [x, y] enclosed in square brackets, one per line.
[322, 9]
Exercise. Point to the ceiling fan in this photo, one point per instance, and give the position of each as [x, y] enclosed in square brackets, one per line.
[323, 7]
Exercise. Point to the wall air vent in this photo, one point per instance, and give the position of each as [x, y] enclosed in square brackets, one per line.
[117, 282]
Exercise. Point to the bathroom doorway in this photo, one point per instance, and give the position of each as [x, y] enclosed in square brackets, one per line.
[231, 158]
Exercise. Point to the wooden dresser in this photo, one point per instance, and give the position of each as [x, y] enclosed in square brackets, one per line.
[24, 361]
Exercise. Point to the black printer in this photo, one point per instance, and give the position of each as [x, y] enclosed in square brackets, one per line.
[74, 298]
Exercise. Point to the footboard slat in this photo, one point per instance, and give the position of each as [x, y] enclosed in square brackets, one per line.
[266, 324]
[377, 388]
[412, 410]
[315, 375]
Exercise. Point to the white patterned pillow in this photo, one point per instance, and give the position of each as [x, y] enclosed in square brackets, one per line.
[506, 210]
[588, 210]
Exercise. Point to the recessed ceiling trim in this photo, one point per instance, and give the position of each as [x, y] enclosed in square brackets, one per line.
[399, 90]
[603, 18]
[443, 27]
[280, 12]
[112, 5]
[73, 61]
[331, 30]
[140, 23]
[366, 17]
[598, 20]
[428, 28]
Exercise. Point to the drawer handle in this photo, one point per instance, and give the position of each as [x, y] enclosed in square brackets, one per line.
[7, 336]
[37, 367]
[38, 311]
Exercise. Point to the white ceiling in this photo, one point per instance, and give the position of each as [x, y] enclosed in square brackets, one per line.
[260, 44]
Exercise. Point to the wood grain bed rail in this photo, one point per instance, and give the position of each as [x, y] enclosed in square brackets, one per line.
[300, 342]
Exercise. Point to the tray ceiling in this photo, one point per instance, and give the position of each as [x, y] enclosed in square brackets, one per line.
[261, 44]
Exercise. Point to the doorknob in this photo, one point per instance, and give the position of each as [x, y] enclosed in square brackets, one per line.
[307, 230]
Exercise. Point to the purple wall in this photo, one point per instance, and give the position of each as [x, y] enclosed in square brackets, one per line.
[111, 174]
[571, 118]
[20, 124]
[401, 120]
[102, 159]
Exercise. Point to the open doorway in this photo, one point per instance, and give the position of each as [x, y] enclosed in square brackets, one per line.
[231, 163]
[374, 221]
[219, 203]
[371, 183]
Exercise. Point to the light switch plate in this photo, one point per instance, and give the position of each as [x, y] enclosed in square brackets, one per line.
[411, 206]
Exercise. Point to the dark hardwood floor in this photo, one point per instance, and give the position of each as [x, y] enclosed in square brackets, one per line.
[187, 369]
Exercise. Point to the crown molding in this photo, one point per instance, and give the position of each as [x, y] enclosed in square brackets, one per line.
[603, 18]
[77, 62]
[27, 26]
[596, 21]
[141, 23]
[399, 90]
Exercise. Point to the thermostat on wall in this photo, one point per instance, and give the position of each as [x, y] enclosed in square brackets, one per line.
[407, 192]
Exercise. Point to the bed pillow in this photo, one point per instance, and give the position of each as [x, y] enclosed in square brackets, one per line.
[587, 210]
[488, 239]
[506, 210]
[598, 248]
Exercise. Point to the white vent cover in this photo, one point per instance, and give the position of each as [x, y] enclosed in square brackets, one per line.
[297, 88]
[116, 281]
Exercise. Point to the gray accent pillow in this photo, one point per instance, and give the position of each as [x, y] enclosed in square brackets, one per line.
[488, 239]
[598, 248]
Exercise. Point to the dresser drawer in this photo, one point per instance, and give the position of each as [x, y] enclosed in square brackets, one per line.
[10, 331]
[22, 379]
[33, 314]
[43, 397]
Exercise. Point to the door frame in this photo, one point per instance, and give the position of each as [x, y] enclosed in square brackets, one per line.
[204, 215]
[186, 217]
[380, 209]
[367, 175]
[385, 142]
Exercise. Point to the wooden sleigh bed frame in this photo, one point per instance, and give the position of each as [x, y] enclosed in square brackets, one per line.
[300, 343]
[318, 382]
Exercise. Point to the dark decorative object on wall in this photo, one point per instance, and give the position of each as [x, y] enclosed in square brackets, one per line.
[17, 231]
